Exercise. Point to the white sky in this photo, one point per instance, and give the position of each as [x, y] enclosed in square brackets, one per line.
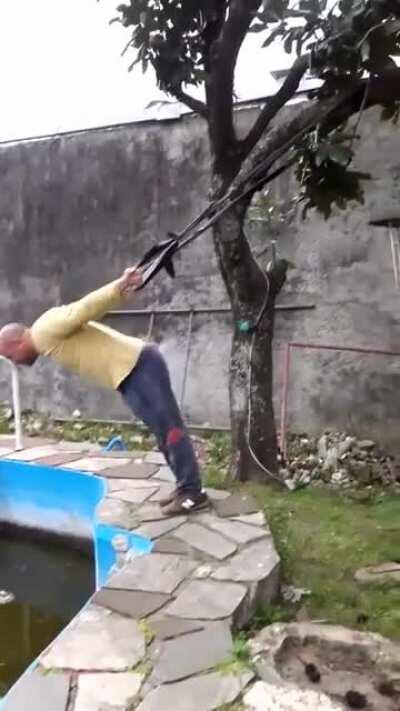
[62, 68]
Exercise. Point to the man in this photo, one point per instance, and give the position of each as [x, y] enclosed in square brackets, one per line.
[72, 337]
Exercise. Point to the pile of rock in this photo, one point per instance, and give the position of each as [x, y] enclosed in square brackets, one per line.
[339, 460]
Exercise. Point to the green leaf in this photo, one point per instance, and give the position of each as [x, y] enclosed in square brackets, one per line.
[255, 27]
[273, 35]
[288, 43]
[340, 154]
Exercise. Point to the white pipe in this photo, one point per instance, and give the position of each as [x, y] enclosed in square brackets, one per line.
[16, 404]
[395, 258]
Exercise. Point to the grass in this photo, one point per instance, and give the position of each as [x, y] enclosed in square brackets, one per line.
[323, 538]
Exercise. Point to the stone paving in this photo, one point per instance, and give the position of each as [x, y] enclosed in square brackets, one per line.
[158, 636]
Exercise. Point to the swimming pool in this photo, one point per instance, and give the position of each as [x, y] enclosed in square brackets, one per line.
[56, 508]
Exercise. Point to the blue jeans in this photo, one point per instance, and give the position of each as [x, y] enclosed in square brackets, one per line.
[148, 393]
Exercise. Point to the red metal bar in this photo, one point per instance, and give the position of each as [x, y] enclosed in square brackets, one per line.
[351, 349]
[315, 347]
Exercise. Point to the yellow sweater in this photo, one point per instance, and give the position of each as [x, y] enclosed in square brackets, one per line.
[71, 336]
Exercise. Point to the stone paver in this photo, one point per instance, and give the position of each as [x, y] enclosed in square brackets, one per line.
[115, 512]
[253, 564]
[234, 530]
[254, 519]
[97, 640]
[170, 544]
[36, 690]
[202, 693]
[58, 460]
[154, 572]
[171, 627]
[95, 464]
[155, 529]
[165, 474]
[133, 496]
[133, 470]
[165, 489]
[207, 600]
[155, 458]
[134, 603]
[218, 494]
[194, 653]
[150, 511]
[96, 692]
[129, 484]
[206, 541]
[29, 455]
[236, 505]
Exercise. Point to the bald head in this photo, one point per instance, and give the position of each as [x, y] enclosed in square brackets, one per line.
[16, 344]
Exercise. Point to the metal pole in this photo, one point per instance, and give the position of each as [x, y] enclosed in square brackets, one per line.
[187, 356]
[284, 406]
[151, 326]
[16, 407]
[16, 399]
[224, 310]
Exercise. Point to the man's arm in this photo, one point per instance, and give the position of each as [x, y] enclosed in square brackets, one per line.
[62, 321]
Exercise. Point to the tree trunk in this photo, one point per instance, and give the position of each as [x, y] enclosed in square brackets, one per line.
[251, 292]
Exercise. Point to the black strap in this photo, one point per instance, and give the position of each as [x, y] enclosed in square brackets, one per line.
[158, 257]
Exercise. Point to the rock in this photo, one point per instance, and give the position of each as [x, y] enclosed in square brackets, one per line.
[345, 446]
[331, 460]
[345, 660]
[361, 471]
[379, 574]
[292, 594]
[269, 697]
[323, 447]
[366, 444]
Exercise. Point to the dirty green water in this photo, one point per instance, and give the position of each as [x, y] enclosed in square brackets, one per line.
[50, 582]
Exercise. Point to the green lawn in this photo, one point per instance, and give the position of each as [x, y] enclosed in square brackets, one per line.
[323, 538]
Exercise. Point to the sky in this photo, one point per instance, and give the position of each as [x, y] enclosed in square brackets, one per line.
[62, 68]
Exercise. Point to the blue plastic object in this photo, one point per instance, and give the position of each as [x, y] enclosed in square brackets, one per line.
[115, 443]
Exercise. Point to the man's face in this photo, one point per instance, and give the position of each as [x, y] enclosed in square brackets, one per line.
[17, 351]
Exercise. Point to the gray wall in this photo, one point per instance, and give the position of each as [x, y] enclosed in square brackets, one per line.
[76, 209]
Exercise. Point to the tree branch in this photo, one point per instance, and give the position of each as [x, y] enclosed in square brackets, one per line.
[198, 107]
[274, 104]
[331, 113]
[220, 83]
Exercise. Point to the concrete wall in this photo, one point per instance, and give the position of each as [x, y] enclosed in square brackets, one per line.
[76, 209]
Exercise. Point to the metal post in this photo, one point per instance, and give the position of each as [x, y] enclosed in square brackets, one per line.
[187, 356]
[284, 406]
[394, 245]
[151, 326]
[16, 399]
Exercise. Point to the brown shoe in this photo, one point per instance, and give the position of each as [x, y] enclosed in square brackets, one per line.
[186, 503]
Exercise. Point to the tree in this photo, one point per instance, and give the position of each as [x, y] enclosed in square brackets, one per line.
[349, 46]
